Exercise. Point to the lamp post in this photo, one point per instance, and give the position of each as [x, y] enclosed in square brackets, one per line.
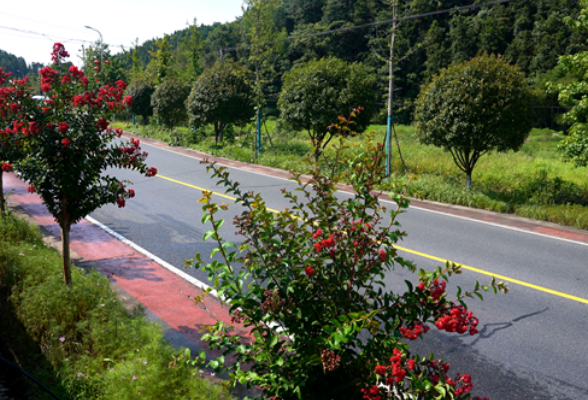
[101, 41]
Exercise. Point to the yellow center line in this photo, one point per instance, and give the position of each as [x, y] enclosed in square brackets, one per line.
[418, 253]
[497, 276]
[207, 190]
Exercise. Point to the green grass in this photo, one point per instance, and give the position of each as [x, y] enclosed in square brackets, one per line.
[79, 340]
[532, 182]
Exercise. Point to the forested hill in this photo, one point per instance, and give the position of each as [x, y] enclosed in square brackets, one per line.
[530, 33]
[17, 65]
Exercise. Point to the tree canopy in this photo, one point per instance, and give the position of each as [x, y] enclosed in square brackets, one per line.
[222, 95]
[316, 93]
[474, 107]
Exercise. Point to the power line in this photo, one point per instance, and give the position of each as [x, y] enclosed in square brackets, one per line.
[389, 21]
[52, 36]
[53, 25]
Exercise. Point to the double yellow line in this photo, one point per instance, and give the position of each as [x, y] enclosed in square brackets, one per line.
[418, 253]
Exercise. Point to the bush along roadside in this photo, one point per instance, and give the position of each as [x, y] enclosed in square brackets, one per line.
[308, 283]
[92, 348]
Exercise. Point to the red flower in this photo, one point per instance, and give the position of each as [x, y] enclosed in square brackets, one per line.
[318, 247]
[120, 202]
[6, 167]
[63, 127]
[102, 124]
[66, 142]
[309, 271]
[151, 171]
[31, 189]
[380, 370]
[34, 128]
[383, 255]
[128, 100]
[131, 193]
[410, 365]
[317, 234]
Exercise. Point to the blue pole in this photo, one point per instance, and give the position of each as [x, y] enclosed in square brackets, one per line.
[258, 131]
[388, 147]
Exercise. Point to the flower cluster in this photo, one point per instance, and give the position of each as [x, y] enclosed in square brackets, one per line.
[48, 77]
[459, 320]
[272, 301]
[58, 52]
[436, 289]
[330, 360]
[416, 330]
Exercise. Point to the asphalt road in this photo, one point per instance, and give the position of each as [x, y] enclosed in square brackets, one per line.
[532, 344]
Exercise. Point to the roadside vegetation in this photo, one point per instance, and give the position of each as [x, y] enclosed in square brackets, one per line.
[533, 182]
[79, 340]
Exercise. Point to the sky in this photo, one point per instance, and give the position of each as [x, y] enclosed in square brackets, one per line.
[30, 28]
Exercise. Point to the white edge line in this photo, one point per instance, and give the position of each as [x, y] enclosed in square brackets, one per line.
[152, 256]
[166, 265]
[392, 202]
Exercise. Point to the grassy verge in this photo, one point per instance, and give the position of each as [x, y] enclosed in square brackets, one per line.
[79, 340]
[533, 182]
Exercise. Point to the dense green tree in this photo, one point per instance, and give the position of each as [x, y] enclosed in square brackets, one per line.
[316, 93]
[168, 102]
[222, 95]
[141, 91]
[475, 107]
[575, 95]
[161, 58]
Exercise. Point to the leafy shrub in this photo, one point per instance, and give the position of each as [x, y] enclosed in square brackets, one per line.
[308, 284]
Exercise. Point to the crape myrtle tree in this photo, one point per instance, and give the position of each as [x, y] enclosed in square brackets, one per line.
[168, 102]
[315, 93]
[69, 145]
[11, 91]
[222, 95]
[306, 287]
[475, 107]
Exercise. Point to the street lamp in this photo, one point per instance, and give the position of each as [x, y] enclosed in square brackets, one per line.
[101, 41]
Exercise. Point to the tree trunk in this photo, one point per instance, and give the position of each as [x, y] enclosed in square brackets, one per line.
[469, 180]
[65, 228]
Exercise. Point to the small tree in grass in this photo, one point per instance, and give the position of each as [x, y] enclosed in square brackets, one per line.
[475, 107]
[69, 146]
[314, 94]
[168, 102]
[222, 95]
[141, 91]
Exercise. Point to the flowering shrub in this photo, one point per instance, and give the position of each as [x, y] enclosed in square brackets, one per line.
[11, 91]
[68, 144]
[307, 283]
